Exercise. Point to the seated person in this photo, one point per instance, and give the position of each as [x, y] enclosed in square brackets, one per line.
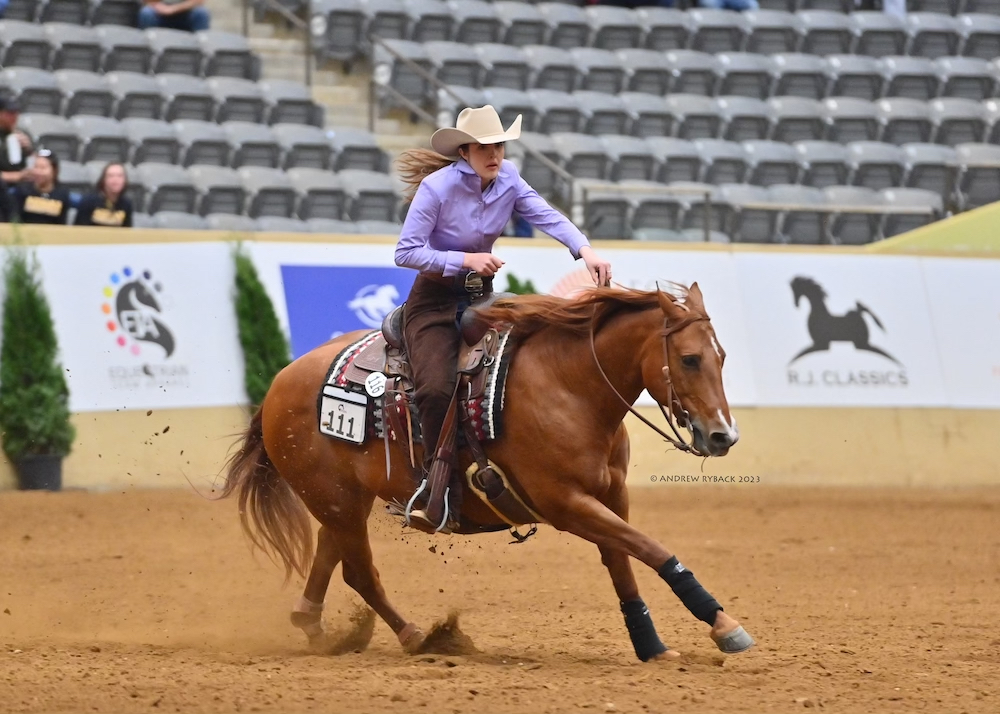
[42, 199]
[186, 15]
[107, 205]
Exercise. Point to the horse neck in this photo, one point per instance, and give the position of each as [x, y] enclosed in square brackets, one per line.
[818, 305]
[619, 346]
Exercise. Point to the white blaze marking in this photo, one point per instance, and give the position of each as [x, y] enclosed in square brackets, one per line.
[715, 346]
[731, 431]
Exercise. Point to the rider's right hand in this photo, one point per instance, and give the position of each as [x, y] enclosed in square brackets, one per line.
[485, 264]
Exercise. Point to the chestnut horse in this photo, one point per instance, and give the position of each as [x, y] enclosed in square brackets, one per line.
[579, 366]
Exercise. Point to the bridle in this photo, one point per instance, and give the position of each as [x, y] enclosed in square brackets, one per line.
[672, 399]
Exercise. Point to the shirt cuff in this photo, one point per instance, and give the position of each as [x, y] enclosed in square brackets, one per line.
[453, 263]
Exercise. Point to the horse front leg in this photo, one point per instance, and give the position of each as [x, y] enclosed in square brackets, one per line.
[585, 516]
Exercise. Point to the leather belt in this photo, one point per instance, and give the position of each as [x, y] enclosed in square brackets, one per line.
[468, 282]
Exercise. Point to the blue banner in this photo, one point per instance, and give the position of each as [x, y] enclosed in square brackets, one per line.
[326, 301]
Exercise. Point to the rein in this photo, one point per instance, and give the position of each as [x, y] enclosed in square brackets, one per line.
[677, 439]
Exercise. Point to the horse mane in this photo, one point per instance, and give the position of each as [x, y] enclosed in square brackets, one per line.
[532, 313]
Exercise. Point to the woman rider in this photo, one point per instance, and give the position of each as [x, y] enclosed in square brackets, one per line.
[463, 194]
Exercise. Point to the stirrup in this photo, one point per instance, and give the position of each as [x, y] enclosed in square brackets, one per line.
[408, 511]
[446, 526]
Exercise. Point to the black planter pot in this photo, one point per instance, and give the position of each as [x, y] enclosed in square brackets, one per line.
[42, 472]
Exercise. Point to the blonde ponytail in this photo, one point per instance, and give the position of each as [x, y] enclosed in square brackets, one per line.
[416, 164]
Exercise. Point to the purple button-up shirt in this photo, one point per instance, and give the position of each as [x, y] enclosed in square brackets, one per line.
[451, 215]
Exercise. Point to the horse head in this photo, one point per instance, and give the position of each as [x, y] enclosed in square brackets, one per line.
[682, 370]
[807, 287]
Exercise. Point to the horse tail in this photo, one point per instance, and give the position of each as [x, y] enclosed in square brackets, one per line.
[863, 309]
[273, 517]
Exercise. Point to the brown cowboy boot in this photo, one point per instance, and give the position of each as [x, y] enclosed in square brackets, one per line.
[437, 515]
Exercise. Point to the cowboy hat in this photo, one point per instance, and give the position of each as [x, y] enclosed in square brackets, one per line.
[474, 126]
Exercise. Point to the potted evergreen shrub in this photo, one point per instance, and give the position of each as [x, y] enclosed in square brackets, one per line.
[34, 400]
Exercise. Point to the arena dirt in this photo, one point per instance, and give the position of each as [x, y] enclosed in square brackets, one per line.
[860, 601]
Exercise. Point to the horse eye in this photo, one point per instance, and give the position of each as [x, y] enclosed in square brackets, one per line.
[691, 361]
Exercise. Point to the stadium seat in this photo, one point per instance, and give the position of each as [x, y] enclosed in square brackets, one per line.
[695, 117]
[124, 49]
[992, 108]
[721, 161]
[136, 95]
[825, 33]
[303, 146]
[602, 113]
[649, 114]
[386, 19]
[401, 78]
[357, 149]
[600, 70]
[770, 163]
[630, 157]
[958, 121]
[692, 72]
[753, 220]
[551, 68]
[583, 156]
[904, 121]
[850, 119]
[876, 165]
[945, 7]
[114, 12]
[52, 132]
[280, 224]
[511, 102]
[932, 34]
[475, 20]
[378, 228]
[430, 20]
[568, 25]
[290, 102]
[676, 159]
[186, 98]
[230, 222]
[228, 55]
[331, 227]
[896, 223]
[220, 190]
[857, 227]
[855, 76]
[823, 163]
[932, 167]
[36, 89]
[85, 93]
[252, 144]
[744, 74]
[237, 100]
[878, 34]
[838, 6]
[74, 12]
[613, 28]
[371, 195]
[175, 52]
[652, 206]
[799, 75]
[102, 139]
[320, 193]
[967, 77]
[664, 28]
[646, 71]
[74, 177]
[805, 224]
[269, 192]
[980, 35]
[605, 210]
[697, 235]
[140, 219]
[25, 44]
[716, 31]
[455, 63]
[151, 140]
[980, 177]
[74, 47]
[980, 6]
[202, 142]
[521, 24]
[796, 119]
[179, 220]
[658, 234]
[701, 201]
[913, 77]
[557, 111]
[503, 66]
[537, 174]
[342, 33]
[771, 32]
[168, 188]
[744, 119]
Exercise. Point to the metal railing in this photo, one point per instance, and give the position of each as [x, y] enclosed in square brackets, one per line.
[293, 20]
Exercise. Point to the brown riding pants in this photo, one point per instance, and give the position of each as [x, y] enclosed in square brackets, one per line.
[432, 344]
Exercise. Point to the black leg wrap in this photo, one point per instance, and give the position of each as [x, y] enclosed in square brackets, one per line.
[640, 628]
[689, 590]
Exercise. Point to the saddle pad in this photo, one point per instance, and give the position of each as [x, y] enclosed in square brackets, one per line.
[485, 412]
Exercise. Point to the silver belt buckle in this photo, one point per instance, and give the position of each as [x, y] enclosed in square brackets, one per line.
[473, 282]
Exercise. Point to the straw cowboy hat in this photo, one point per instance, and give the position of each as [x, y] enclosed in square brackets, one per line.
[474, 126]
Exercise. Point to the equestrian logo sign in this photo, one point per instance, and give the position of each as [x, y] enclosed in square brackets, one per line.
[851, 327]
[373, 302]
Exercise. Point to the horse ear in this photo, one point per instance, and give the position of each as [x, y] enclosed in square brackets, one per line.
[667, 304]
[695, 299]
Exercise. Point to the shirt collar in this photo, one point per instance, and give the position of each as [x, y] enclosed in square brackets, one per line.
[464, 167]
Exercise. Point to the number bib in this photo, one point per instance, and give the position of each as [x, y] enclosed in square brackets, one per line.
[343, 414]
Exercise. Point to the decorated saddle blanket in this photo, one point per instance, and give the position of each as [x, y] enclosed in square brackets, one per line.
[355, 412]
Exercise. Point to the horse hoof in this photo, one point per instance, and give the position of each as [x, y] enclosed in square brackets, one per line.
[668, 656]
[734, 641]
[411, 638]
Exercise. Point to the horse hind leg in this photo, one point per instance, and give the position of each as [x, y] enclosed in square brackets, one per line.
[307, 615]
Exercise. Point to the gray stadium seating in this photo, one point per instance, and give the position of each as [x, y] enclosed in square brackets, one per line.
[967, 77]
[602, 113]
[796, 119]
[600, 70]
[455, 63]
[185, 98]
[179, 220]
[851, 119]
[503, 66]
[74, 177]
[770, 32]
[325, 225]
[103, 139]
[230, 222]
[646, 71]
[36, 89]
[371, 195]
[141, 219]
[664, 28]
[168, 188]
[799, 75]
[228, 55]
[569, 25]
[613, 28]
[303, 146]
[220, 190]
[744, 118]
[404, 80]
[280, 224]
[894, 224]
[85, 93]
[649, 114]
[537, 174]
[695, 117]
[320, 193]
[933, 168]
[71, 11]
[722, 161]
[980, 177]
[475, 21]
[958, 121]
[377, 228]
[152, 140]
[805, 224]
[269, 192]
[357, 149]
[824, 163]
[744, 74]
[74, 47]
[980, 35]
[770, 163]
[237, 100]
[932, 34]
[343, 35]
[654, 208]
[511, 102]
[252, 144]
[878, 34]
[605, 210]
[904, 121]
[696, 209]
[854, 228]
[913, 77]
[855, 76]
[385, 18]
[715, 31]
[114, 12]
[450, 103]
[583, 156]
[876, 165]
[630, 158]
[825, 33]
[551, 68]
[24, 44]
[557, 111]
[124, 49]
[692, 72]
[521, 23]
[52, 132]
[677, 159]
[752, 223]
[202, 142]
[290, 102]
[429, 20]
[136, 95]
[175, 52]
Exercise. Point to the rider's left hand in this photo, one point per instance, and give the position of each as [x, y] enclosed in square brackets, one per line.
[600, 269]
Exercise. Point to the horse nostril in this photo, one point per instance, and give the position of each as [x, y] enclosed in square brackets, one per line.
[720, 439]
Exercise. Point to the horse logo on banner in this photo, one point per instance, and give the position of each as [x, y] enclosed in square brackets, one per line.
[373, 303]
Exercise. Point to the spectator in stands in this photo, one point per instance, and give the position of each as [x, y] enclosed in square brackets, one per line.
[738, 5]
[15, 146]
[107, 205]
[42, 199]
[188, 15]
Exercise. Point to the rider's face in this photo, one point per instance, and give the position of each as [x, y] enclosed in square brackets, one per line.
[485, 159]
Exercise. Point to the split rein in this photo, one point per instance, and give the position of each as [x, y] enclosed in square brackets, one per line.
[677, 440]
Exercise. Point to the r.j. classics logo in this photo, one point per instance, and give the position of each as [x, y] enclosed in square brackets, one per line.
[138, 317]
[851, 327]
